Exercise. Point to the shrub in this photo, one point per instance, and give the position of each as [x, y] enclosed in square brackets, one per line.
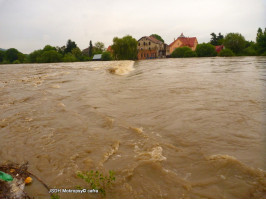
[106, 56]
[206, 50]
[69, 57]
[180, 52]
[249, 52]
[49, 57]
[16, 62]
[189, 54]
[97, 180]
[226, 53]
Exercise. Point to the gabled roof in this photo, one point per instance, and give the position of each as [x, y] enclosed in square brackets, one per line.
[219, 48]
[152, 39]
[186, 41]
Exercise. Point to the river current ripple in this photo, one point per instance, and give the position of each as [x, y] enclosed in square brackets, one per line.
[168, 128]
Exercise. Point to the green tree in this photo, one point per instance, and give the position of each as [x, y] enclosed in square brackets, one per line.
[235, 42]
[50, 57]
[106, 56]
[77, 53]
[11, 55]
[158, 37]
[205, 50]
[226, 53]
[2, 56]
[261, 41]
[61, 50]
[90, 49]
[98, 48]
[190, 54]
[125, 48]
[180, 52]
[216, 40]
[48, 48]
[70, 45]
[69, 57]
[33, 57]
[249, 51]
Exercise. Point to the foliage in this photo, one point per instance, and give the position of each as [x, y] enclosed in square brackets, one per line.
[235, 42]
[261, 41]
[249, 51]
[50, 57]
[216, 40]
[77, 53]
[189, 54]
[16, 62]
[69, 57]
[70, 45]
[55, 196]
[158, 37]
[98, 48]
[2, 56]
[97, 180]
[106, 56]
[205, 50]
[90, 49]
[11, 55]
[125, 48]
[33, 57]
[180, 52]
[48, 48]
[226, 53]
[61, 50]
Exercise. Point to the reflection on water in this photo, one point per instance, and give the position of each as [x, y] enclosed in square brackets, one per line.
[170, 128]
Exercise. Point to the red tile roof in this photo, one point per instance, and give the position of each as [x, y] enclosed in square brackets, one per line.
[109, 48]
[186, 41]
[219, 48]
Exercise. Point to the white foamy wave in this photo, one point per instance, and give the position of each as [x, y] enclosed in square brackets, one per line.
[121, 67]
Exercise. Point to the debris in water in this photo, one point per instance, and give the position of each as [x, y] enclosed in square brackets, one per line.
[13, 178]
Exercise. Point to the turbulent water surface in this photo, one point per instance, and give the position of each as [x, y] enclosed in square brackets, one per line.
[170, 128]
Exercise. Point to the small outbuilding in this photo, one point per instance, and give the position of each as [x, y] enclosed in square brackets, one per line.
[97, 57]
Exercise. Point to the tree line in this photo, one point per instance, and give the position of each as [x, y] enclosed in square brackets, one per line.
[125, 48]
[235, 45]
[49, 54]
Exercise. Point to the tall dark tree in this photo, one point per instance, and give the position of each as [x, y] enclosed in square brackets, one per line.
[70, 45]
[261, 40]
[216, 40]
[90, 49]
[2, 55]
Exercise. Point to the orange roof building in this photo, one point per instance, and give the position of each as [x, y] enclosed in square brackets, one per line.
[183, 41]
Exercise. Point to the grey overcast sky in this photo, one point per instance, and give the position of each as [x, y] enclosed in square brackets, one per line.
[31, 24]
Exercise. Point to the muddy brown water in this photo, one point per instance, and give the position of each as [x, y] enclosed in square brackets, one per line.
[170, 128]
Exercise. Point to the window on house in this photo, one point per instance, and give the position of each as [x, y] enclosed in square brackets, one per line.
[149, 43]
[144, 43]
[139, 44]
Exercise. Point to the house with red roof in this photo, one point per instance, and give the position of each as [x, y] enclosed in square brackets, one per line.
[219, 48]
[183, 41]
[149, 47]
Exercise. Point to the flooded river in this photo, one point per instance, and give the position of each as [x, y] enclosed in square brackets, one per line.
[169, 128]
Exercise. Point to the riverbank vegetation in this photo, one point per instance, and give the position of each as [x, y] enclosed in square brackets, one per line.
[234, 44]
